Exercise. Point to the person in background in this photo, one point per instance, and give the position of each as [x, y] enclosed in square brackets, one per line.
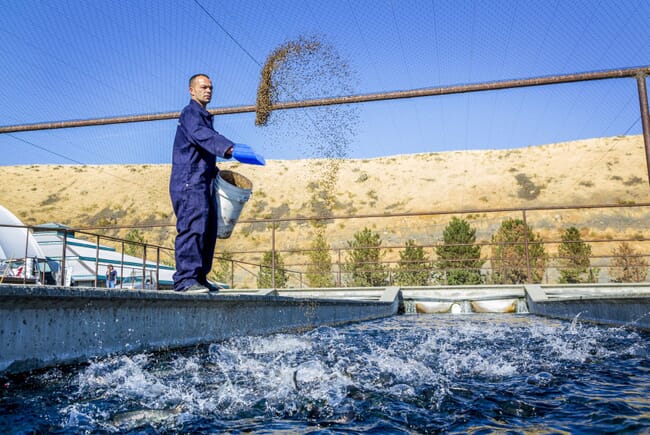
[111, 276]
[191, 187]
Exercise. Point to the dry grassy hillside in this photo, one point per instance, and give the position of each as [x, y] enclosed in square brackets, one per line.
[587, 172]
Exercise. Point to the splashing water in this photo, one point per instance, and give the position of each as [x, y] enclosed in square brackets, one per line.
[459, 373]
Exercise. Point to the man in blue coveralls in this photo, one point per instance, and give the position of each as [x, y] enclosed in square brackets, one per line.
[194, 169]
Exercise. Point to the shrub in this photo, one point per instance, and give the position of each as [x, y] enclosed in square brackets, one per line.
[459, 258]
[574, 259]
[414, 268]
[223, 270]
[319, 270]
[628, 265]
[509, 265]
[265, 275]
[364, 260]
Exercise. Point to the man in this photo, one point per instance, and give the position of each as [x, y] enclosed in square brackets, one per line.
[111, 276]
[194, 169]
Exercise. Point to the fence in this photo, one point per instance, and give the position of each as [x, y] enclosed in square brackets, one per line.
[605, 229]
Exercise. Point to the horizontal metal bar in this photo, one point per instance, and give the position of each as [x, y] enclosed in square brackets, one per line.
[415, 93]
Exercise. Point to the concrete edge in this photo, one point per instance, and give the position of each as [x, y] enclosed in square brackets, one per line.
[535, 292]
[47, 326]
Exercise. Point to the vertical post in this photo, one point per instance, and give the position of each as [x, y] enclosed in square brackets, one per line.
[232, 273]
[339, 268]
[144, 264]
[97, 261]
[122, 267]
[26, 253]
[65, 248]
[158, 268]
[645, 116]
[528, 275]
[273, 255]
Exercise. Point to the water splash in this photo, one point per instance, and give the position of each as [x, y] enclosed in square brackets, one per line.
[450, 373]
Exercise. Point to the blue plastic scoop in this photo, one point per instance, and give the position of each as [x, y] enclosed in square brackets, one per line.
[245, 154]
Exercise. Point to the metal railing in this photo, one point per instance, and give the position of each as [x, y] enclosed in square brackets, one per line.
[245, 265]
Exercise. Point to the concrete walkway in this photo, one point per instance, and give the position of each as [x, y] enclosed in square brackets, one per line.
[625, 305]
[47, 326]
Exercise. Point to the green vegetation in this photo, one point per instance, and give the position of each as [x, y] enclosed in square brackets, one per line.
[518, 255]
[135, 248]
[459, 258]
[364, 264]
[265, 275]
[414, 268]
[319, 270]
[574, 259]
[628, 265]
[223, 269]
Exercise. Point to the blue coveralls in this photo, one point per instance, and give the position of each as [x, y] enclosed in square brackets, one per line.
[196, 148]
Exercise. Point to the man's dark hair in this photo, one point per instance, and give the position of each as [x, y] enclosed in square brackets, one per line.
[198, 75]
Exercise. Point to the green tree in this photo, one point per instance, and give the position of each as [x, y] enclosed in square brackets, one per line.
[509, 263]
[459, 257]
[319, 270]
[628, 265]
[223, 269]
[265, 275]
[575, 259]
[364, 260]
[136, 248]
[414, 268]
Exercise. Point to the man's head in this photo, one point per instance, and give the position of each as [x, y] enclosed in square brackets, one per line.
[201, 89]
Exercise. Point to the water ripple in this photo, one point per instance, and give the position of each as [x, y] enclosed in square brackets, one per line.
[425, 374]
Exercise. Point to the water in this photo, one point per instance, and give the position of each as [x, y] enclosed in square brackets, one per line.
[408, 374]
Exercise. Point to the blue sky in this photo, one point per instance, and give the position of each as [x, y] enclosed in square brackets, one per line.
[65, 60]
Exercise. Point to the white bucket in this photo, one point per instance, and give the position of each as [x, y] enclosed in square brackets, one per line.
[232, 190]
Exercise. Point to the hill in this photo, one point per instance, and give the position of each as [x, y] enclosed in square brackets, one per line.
[580, 173]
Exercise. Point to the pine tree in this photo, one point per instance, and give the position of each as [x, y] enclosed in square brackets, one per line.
[414, 268]
[459, 258]
[137, 247]
[319, 270]
[364, 260]
[628, 265]
[575, 259]
[509, 265]
[265, 275]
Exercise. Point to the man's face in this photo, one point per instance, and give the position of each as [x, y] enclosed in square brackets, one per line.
[201, 90]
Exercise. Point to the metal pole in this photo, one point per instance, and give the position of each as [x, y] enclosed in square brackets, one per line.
[426, 92]
[645, 116]
[339, 267]
[273, 255]
[122, 267]
[158, 268]
[528, 277]
[65, 248]
[232, 273]
[144, 264]
[97, 262]
[26, 252]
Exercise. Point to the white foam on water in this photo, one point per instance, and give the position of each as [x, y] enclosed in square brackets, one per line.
[284, 375]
